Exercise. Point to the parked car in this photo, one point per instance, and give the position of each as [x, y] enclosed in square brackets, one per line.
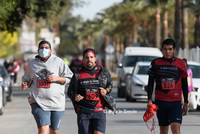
[136, 83]
[7, 82]
[195, 95]
[2, 96]
[130, 57]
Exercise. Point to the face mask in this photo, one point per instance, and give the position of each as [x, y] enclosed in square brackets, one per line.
[44, 52]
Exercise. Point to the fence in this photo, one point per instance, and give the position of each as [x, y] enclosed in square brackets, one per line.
[191, 54]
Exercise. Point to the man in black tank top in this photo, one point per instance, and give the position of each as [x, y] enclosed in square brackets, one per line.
[87, 90]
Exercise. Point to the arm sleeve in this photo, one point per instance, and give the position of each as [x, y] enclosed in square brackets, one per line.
[185, 89]
[71, 89]
[151, 73]
[150, 87]
[66, 72]
[26, 76]
[110, 82]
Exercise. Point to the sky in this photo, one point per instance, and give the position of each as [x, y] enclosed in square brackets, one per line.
[89, 10]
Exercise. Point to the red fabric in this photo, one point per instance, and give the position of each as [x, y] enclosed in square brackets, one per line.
[14, 67]
[150, 114]
[99, 63]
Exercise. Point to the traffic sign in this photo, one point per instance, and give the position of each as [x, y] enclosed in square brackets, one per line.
[110, 49]
[109, 57]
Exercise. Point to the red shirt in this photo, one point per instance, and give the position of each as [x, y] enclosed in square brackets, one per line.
[168, 75]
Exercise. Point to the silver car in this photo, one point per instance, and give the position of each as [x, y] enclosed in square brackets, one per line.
[130, 57]
[2, 96]
[7, 83]
[137, 82]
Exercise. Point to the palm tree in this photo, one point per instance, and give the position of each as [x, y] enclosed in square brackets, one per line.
[195, 7]
[177, 31]
[160, 5]
[185, 41]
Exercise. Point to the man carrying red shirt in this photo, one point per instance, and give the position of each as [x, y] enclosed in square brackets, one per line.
[170, 74]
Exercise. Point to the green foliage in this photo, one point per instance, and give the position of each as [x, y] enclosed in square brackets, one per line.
[8, 42]
[194, 6]
[15, 12]
[69, 38]
[6, 7]
[118, 20]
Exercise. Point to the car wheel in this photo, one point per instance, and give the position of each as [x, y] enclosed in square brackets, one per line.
[130, 98]
[198, 108]
[4, 97]
[9, 98]
[119, 93]
[127, 97]
[128, 88]
[1, 110]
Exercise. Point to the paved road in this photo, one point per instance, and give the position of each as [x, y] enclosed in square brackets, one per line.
[17, 118]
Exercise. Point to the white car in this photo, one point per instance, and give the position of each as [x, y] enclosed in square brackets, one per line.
[195, 95]
[130, 57]
[137, 82]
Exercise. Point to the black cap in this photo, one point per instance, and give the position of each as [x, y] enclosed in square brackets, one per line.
[44, 42]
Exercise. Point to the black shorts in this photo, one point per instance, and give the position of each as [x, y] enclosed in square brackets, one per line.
[90, 122]
[169, 112]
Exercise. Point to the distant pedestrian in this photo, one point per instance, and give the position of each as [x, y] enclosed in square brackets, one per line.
[14, 67]
[46, 75]
[75, 63]
[66, 61]
[6, 64]
[190, 82]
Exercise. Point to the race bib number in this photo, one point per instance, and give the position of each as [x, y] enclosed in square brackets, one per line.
[168, 84]
[92, 96]
[43, 83]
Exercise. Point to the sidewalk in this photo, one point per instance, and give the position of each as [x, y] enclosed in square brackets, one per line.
[113, 75]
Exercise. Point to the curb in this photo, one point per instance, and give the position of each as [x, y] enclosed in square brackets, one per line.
[114, 78]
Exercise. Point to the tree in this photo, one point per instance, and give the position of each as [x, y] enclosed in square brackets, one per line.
[159, 5]
[195, 7]
[177, 31]
[69, 36]
[12, 12]
[185, 41]
[8, 42]
[17, 10]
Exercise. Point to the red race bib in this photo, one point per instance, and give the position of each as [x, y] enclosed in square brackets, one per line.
[43, 83]
[92, 96]
[168, 84]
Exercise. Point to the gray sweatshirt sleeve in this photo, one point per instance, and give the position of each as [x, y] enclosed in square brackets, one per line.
[66, 72]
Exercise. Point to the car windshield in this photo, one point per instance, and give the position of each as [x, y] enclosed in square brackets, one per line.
[195, 70]
[142, 69]
[131, 60]
[2, 72]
